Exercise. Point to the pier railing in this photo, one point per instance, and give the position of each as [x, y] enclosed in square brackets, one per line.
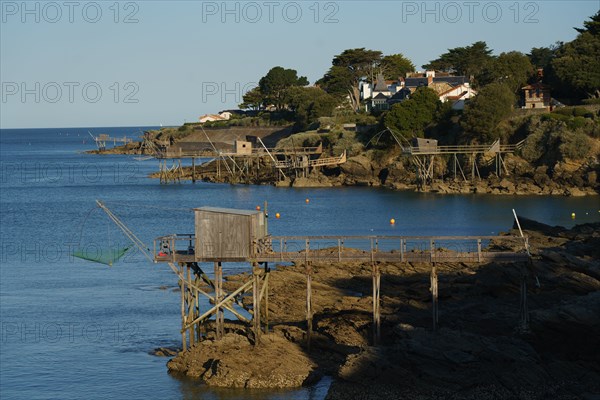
[496, 147]
[428, 249]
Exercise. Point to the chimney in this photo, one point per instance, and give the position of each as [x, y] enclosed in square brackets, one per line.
[429, 80]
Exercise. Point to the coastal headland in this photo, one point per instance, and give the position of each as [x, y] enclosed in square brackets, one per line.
[551, 174]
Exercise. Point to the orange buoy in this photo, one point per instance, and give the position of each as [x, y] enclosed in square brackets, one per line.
[307, 201]
[277, 215]
[392, 221]
[257, 208]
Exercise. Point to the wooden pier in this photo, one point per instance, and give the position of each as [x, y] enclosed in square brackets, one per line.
[104, 138]
[226, 235]
[465, 158]
[240, 160]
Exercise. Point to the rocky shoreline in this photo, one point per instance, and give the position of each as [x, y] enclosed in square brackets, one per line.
[509, 185]
[477, 353]
[389, 169]
[393, 172]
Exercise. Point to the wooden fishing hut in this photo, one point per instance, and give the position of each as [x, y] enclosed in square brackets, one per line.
[230, 235]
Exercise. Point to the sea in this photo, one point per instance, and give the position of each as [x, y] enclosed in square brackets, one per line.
[73, 329]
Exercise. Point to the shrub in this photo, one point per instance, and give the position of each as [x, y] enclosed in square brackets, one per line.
[591, 101]
[563, 111]
[577, 123]
[556, 116]
[573, 145]
[303, 139]
[533, 148]
[582, 112]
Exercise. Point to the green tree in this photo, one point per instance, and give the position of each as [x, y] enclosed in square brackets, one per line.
[576, 63]
[347, 71]
[310, 103]
[513, 69]
[541, 57]
[483, 113]
[412, 116]
[273, 86]
[395, 66]
[467, 61]
[253, 99]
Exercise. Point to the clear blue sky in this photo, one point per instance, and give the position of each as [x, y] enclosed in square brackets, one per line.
[109, 63]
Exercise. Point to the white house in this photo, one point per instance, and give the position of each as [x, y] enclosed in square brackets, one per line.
[458, 95]
[223, 116]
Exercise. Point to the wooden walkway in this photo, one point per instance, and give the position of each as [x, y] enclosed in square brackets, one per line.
[496, 147]
[427, 249]
[181, 254]
[174, 152]
[104, 138]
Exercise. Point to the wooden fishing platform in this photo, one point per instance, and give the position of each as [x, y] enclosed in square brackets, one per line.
[426, 249]
[423, 153]
[104, 138]
[228, 235]
[240, 159]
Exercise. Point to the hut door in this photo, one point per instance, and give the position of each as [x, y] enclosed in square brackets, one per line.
[210, 243]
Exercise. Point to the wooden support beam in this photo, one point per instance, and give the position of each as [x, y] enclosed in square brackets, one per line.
[219, 317]
[190, 304]
[256, 302]
[309, 310]
[434, 296]
[376, 303]
[193, 170]
[197, 310]
[223, 303]
[183, 316]
[402, 249]
[266, 287]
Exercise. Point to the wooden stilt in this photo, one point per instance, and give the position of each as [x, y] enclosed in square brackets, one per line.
[190, 305]
[434, 295]
[376, 304]
[309, 311]
[183, 314]
[256, 302]
[266, 283]
[193, 170]
[219, 317]
[197, 281]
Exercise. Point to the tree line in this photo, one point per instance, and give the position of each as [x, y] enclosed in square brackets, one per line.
[570, 69]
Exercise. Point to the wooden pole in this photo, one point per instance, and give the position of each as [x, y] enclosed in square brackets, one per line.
[193, 170]
[197, 281]
[309, 312]
[266, 283]
[219, 318]
[376, 304]
[190, 304]
[256, 302]
[183, 318]
[434, 295]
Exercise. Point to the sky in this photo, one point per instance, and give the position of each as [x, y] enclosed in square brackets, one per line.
[148, 63]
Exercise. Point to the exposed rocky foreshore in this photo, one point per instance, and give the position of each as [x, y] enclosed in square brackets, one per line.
[566, 179]
[477, 353]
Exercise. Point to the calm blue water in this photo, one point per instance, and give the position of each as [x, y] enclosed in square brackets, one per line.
[73, 329]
